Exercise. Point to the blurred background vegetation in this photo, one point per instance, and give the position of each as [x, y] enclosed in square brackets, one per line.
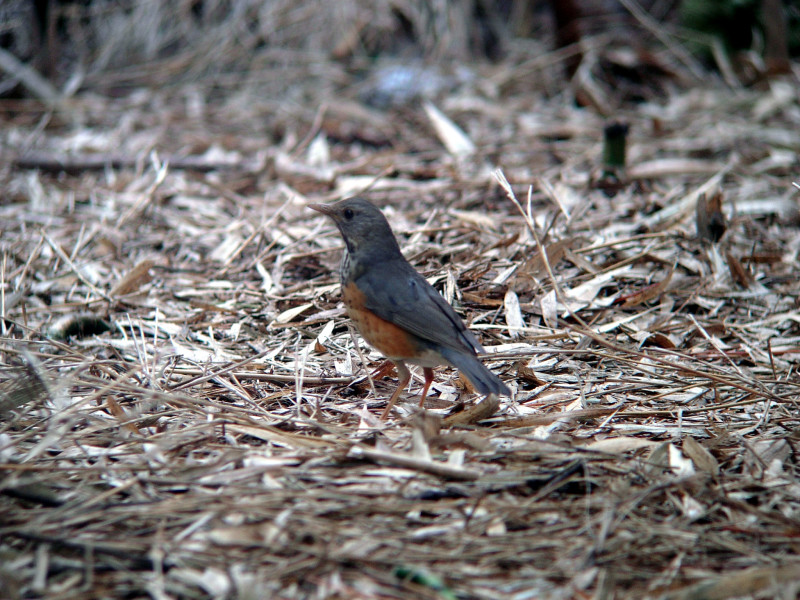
[267, 45]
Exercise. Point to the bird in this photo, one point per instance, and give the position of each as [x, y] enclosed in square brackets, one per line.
[395, 309]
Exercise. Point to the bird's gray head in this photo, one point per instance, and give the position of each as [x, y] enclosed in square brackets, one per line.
[362, 225]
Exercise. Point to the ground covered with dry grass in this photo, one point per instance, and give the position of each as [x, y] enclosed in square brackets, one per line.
[185, 413]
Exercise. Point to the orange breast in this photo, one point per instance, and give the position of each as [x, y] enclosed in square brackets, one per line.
[387, 338]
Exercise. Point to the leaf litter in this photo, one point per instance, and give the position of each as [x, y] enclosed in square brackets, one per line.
[186, 412]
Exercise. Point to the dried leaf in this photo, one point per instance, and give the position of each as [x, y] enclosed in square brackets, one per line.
[619, 445]
[289, 314]
[513, 314]
[479, 219]
[738, 583]
[528, 374]
[115, 409]
[738, 272]
[324, 336]
[476, 413]
[134, 280]
[691, 508]
[661, 340]
[651, 292]
[675, 211]
[662, 167]
[319, 152]
[549, 305]
[451, 135]
[701, 457]
[28, 384]
[586, 292]
[709, 218]
[682, 468]
[407, 461]
[555, 251]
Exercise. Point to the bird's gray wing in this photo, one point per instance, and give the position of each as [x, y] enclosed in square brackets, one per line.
[400, 295]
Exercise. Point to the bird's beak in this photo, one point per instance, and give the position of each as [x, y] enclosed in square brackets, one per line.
[325, 209]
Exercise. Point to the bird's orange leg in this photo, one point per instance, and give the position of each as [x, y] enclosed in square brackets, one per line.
[404, 376]
[428, 380]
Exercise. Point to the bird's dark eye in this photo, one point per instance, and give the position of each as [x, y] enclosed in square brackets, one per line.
[348, 213]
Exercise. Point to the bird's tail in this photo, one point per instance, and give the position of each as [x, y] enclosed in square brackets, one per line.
[482, 379]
